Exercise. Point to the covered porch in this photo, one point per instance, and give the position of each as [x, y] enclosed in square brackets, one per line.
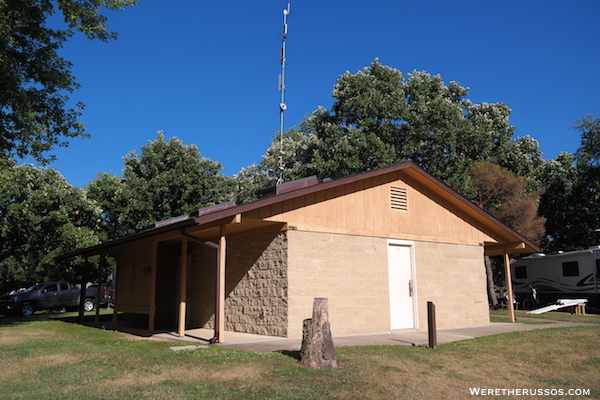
[155, 275]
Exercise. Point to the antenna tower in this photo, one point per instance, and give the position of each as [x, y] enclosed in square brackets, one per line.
[282, 105]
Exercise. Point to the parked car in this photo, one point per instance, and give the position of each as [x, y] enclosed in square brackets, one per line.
[47, 296]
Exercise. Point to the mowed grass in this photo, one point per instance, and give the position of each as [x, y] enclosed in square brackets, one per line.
[45, 358]
[520, 320]
[553, 316]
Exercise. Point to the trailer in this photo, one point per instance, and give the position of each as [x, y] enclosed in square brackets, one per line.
[565, 275]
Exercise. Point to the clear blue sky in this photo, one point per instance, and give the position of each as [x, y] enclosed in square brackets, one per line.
[206, 72]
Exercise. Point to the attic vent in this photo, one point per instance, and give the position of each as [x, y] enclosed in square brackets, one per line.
[398, 199]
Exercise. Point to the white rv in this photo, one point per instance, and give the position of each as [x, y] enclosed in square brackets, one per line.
[569, 275]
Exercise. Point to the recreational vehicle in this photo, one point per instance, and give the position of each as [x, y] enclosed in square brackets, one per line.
[568, 275]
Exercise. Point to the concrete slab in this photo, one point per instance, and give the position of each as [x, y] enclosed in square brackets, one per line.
[267, 344]
[180, 348]
[204, 335]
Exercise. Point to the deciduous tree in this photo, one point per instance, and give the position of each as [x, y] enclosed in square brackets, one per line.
[34, 113]
[166, 179]
[250, 181]
[108, 191]
[503, 194]
[41, 217]
[588, 154]
[523, 157]
[572, 201]
[379, 117]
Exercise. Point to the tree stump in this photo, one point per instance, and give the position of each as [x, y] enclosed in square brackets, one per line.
[317, 343]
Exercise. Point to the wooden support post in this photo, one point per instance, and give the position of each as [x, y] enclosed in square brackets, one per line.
[431, 325]
[99, 288]
[114, 284]
[508, 277]
[83, 282]
[220, 298]
[152, 300]
[183, 286]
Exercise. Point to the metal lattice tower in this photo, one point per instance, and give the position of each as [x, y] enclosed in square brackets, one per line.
[282, 105]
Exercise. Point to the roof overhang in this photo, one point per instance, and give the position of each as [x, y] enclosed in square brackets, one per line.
[498, 249]
[201, 227]
[206, 222]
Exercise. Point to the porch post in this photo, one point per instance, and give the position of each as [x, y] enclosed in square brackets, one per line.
[183, 286]
[508, 277]
[114, 284]
[152, 300]
[86, 266]
[220, 304]
[99, 288]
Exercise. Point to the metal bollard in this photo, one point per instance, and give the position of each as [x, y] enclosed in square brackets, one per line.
[431, 328]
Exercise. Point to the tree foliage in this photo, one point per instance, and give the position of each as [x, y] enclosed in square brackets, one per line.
[503, 194]
[523, 157]
[298, 146]
[34, 112]
[588, 154]
[250, 181]
[379, 118]
[166, 179]
[572, 201]
[587, 159]
[41, 217]
[108, 191]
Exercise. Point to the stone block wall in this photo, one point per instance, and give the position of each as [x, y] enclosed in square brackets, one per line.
[256, 285]
[201, 281]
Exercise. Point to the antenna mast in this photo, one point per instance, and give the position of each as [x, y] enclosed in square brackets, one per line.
[282, 105]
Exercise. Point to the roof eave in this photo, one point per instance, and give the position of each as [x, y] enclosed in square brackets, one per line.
[408, 167]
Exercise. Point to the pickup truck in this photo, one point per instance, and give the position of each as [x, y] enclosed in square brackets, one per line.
[47, 296]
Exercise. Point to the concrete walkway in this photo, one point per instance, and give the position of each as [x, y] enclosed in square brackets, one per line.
[268, 344]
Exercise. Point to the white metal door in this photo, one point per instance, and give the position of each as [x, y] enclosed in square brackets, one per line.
[401, 286]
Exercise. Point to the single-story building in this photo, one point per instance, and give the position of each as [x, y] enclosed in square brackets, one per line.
[378, 245]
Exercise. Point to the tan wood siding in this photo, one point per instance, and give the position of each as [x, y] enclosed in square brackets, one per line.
[133, 279]
[364, 208]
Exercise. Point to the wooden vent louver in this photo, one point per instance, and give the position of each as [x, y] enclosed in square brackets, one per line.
[399, 199]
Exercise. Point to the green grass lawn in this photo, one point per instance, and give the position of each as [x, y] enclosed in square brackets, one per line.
[47, 356]
[553, 316]
[520, 320]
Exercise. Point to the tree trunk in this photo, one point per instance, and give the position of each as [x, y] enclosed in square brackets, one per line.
[317, 343]
[490, 282]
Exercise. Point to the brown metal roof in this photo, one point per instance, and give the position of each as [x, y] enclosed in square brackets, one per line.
[211, 215]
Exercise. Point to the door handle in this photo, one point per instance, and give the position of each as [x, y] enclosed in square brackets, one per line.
[410, 288]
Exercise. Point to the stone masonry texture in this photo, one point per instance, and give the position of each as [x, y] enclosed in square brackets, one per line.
[256, 285]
